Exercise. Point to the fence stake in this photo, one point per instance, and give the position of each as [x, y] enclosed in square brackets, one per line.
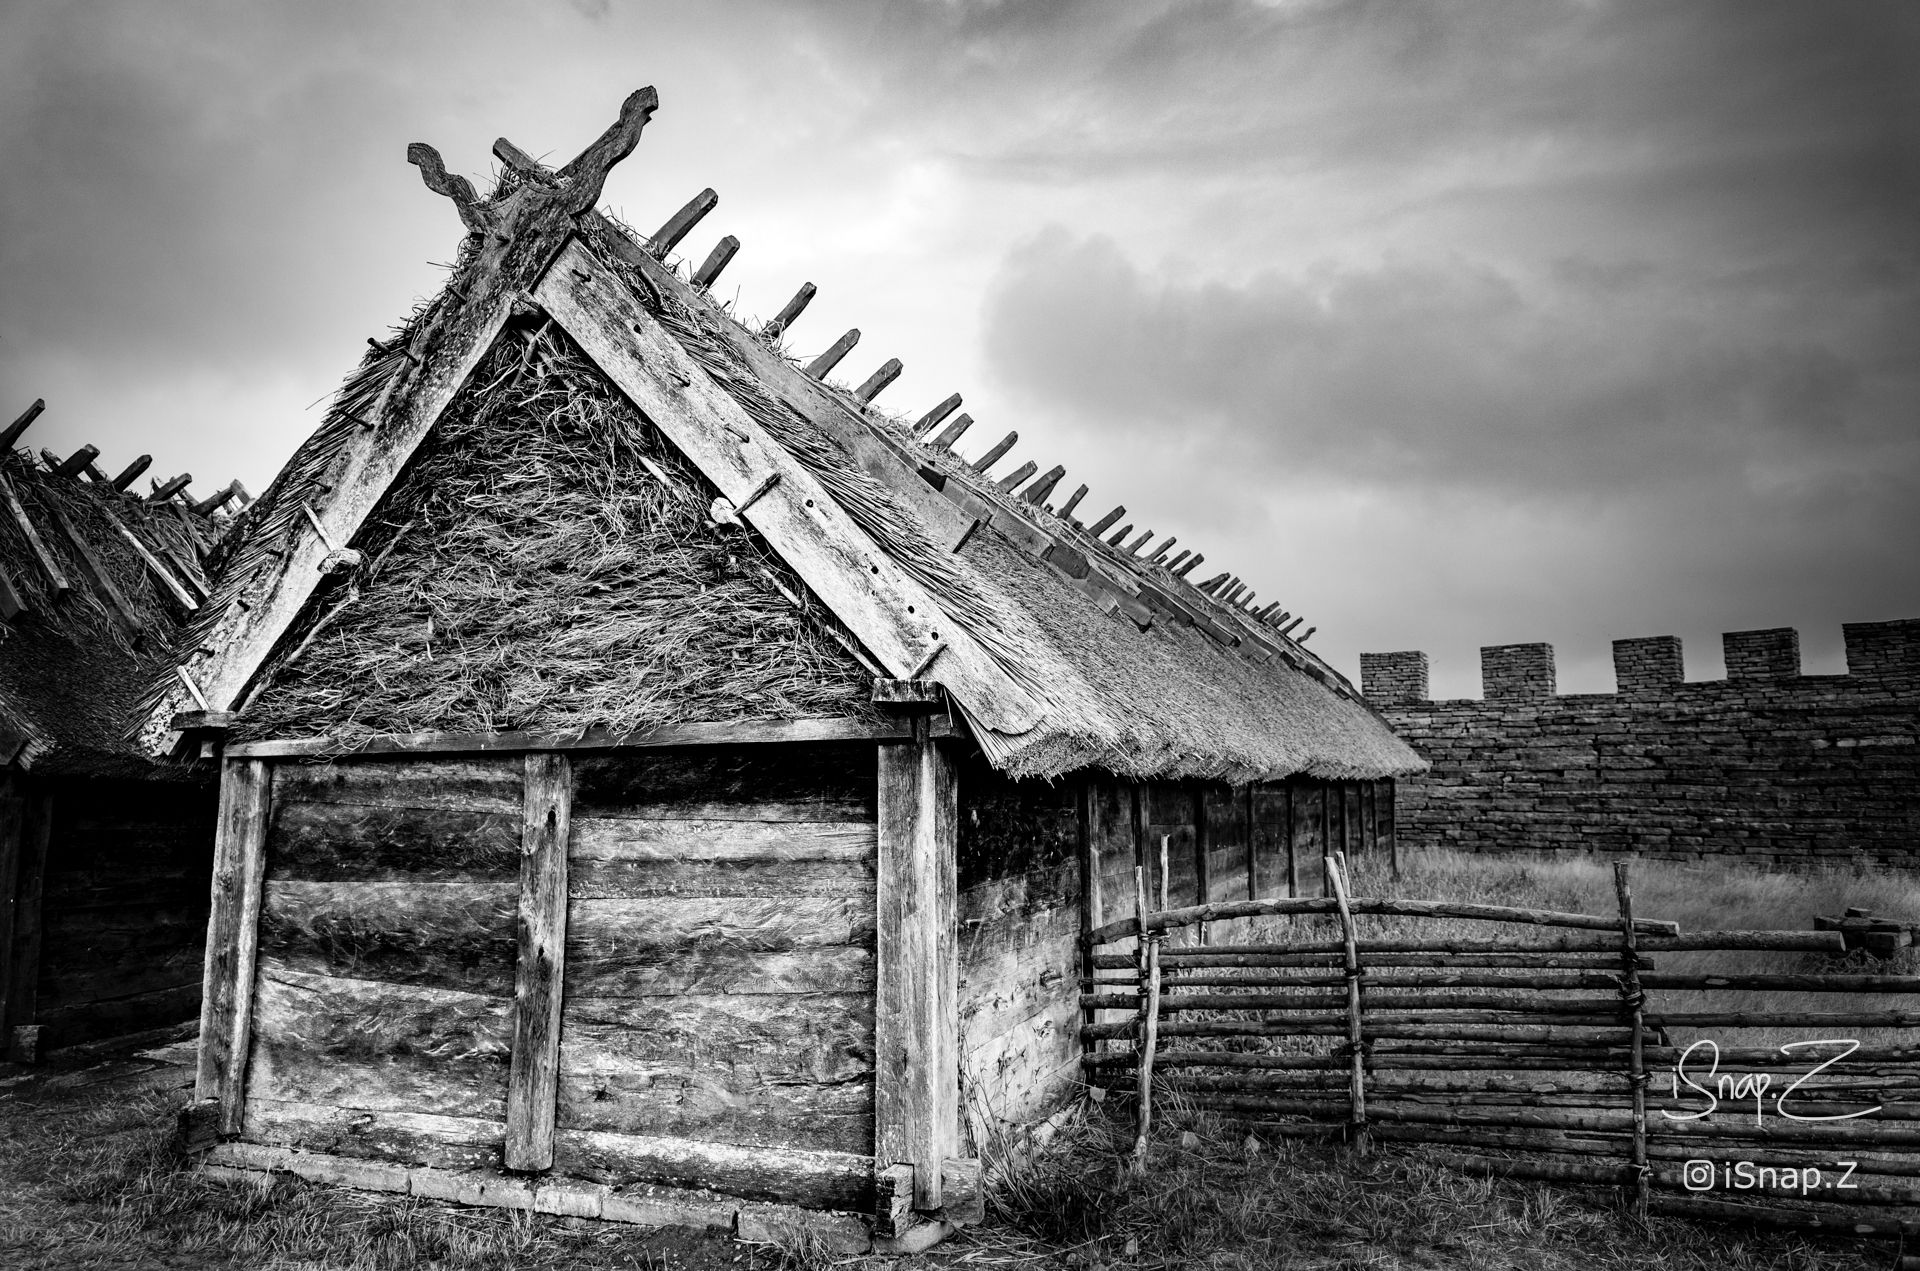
[1147, 950]
[1634, 1000]
[1335, 868]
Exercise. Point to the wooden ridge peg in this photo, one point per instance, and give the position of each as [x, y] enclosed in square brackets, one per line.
[1160, 552]
[164, 490]
[1012, 480]
[95, 474]
[1212, 584]
[716, 261]
[1306, 635]
[1107, 522]
[1175, 562]
[668, 236]
[215, 501]
[951, 433]
[1120, 535]
[1288, 630]
[931, 420]
[588, 171]
[1039, 490]
[20, 424]
[1133, 548]
[790, 312]
[818, 368]
[995, 453]
[77, 462]
[1073, 501]
[1190, 566]
[870, 387]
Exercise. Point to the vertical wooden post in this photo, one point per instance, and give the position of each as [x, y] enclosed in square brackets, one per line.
[1147, 958]
[1336, 871]
[1202, 845]
[12, 822]
[1253, 854]
[1090, 906]
[22, 982]
[1391, 831]
[1286, 820]
[1138, 822]
[916, 1100]
[533, 1073]
[1326, 839]
[233, 928]
[1633, 1002]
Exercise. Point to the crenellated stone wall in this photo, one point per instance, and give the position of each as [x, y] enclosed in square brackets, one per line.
[1767, 763]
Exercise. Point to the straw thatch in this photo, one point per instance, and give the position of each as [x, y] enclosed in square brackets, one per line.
[548, 561]
[74, 667]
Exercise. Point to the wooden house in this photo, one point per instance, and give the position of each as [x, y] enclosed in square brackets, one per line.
[662, 786]
[104, 853]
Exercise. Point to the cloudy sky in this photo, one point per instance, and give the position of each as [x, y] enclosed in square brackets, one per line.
[1444, 324]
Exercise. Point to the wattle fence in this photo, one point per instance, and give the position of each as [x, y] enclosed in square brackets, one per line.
[1533, 1044]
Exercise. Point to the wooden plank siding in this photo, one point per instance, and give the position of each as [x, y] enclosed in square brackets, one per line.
[720, 956]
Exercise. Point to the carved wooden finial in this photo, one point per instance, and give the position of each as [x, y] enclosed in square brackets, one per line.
[589, 170]
[433, 171]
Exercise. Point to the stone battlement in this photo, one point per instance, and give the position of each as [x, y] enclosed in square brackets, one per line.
[1880, 655]
[1766, 763]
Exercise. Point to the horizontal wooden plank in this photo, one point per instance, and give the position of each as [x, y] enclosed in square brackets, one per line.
[404, 1138]
[473, 785]
[816, 1180]
[833, 969]
[820, 1037]
[824, 782]
[351, 1017]
[736, 838]
[73, 1023]
[66, 982]
[702, 733]
[351, 841]
[599, 930]
[601, 880]
[453, 935]
[711, 1105]
[407, 1081]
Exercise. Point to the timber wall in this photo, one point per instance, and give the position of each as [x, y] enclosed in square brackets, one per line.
[109, 913]
[1768, 764]
[718, 974]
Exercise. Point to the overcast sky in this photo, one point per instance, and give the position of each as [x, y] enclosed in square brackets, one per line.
[1443, 324]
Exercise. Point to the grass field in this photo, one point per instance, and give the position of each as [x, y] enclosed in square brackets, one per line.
[88, 1179]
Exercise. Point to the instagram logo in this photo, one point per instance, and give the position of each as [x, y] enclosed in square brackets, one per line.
[1697, 1176]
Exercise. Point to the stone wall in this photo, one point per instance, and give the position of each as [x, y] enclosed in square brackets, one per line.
[1767, 763]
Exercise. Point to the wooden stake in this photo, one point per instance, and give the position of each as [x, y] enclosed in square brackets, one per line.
[1149, 957]
[1159, 553]
[1037, 493]
[132, 470]
[1107, 522]
[1175, 562]
[1189, 567]
[931, 420]
[1357, 1090]
[995, 453]
[1133, 548]
[1012, 480]
[76, 463]
[1633, 1003]
[533, 1077]
[889, 372]
[818, 368]
[61, 586]
[951, 433]
[1073, 501]
[716, 261]
[20, 425]
[226, 1011]
[1120, 535]
[668, 236]
[791, 312]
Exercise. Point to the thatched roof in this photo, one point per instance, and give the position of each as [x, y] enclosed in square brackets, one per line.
[94, 585]
[570, 459]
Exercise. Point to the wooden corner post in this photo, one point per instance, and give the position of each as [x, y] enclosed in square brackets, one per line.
[916, 1098]
[533, 1074]
[233, 928]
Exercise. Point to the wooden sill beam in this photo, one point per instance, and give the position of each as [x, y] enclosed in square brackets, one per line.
[709, 733]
